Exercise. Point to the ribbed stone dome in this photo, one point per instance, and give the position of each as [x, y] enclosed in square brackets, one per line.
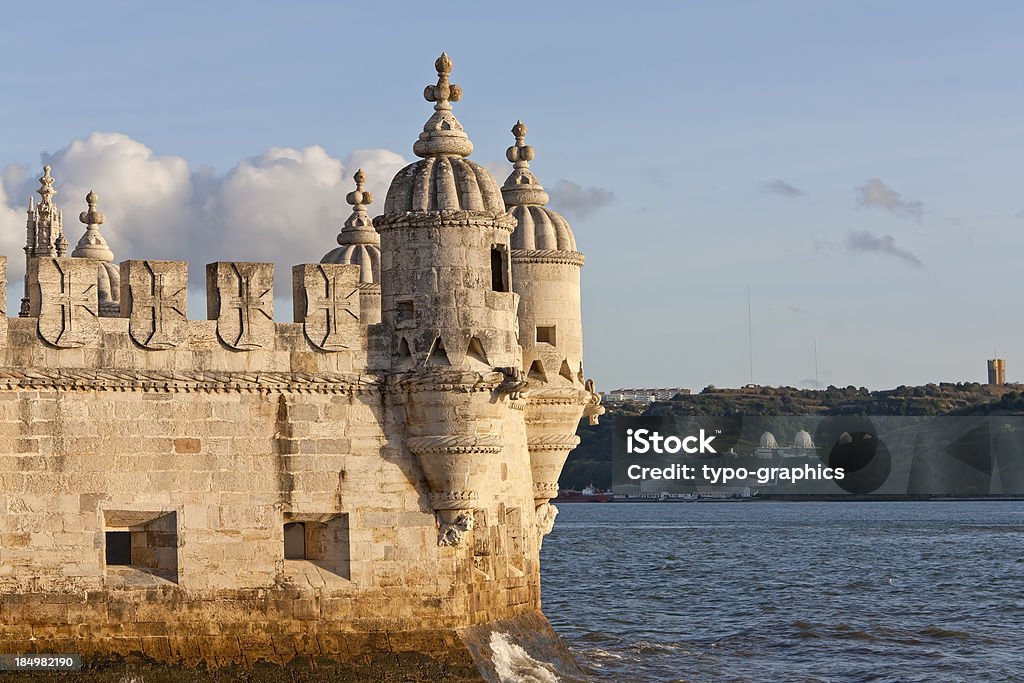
[539, 227]
[366, 256]
[444, 183]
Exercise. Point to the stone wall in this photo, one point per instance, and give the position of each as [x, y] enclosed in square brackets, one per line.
[198, 441]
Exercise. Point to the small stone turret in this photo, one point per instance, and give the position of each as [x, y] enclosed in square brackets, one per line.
[449, 311]
[546, 275]
[45, 235]
[94, 246]
[360, 245]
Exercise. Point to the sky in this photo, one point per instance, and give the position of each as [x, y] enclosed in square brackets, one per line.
[856, 165]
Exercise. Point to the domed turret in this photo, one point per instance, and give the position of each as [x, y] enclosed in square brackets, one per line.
[545, 274]
[94, 246]
[768, 440]
[360, 245]
[449, 313]
[446, 297]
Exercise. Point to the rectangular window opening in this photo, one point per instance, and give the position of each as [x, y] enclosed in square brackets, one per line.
[141, 541]
[405, 312]
[546, 334]
[321, 540]
[499, 268]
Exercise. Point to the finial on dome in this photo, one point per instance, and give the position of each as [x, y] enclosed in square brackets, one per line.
[443, 134]
[358, 238]
[93, 245]
[359, 228]
[444, 93]
[520, 154]
[93, 216]
[522, 187]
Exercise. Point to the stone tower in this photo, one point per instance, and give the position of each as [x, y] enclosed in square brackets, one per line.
[449, 311]
[546, 276]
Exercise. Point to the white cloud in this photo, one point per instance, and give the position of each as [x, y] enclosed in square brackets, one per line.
[577, 201]
[876, 194]
[284, 205]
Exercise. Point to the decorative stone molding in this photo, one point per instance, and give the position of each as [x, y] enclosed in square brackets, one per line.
[240, 297]
[154, 297]
[554, 442]
[455, 445]
[437, 219]
[67, 301]
[569, 258]
[72, 379]
[434, 379]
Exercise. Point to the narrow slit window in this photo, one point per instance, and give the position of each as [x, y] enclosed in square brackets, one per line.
[499, 268]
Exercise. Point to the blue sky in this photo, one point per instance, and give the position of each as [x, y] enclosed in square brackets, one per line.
[892, 240]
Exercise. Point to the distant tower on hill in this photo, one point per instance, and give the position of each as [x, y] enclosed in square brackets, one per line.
[997, 371]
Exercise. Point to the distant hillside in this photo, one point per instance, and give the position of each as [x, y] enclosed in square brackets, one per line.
[590, 462]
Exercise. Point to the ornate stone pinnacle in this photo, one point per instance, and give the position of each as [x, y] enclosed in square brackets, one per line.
[443, 134]
[359, 226]
[92, 245]
[522, 188]
[46, 190]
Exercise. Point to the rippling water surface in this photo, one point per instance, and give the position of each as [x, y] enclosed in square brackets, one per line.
[763, 591]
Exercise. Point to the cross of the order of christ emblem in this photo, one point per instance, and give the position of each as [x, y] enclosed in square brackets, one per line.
[68, 301]
[330, 310]
[245, 314]
[157, 294]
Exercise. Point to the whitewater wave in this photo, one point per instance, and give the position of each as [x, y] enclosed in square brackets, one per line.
[513, 664]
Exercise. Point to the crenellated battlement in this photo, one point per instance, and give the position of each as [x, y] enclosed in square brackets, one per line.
[63, 327]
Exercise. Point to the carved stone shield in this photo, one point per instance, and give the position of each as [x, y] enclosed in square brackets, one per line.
[327, 304]
[155, 294]
[241, 297]
[68, 301]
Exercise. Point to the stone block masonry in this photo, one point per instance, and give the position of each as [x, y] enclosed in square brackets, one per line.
[366, 487]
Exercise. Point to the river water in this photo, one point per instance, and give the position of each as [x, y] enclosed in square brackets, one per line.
[789, 591]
